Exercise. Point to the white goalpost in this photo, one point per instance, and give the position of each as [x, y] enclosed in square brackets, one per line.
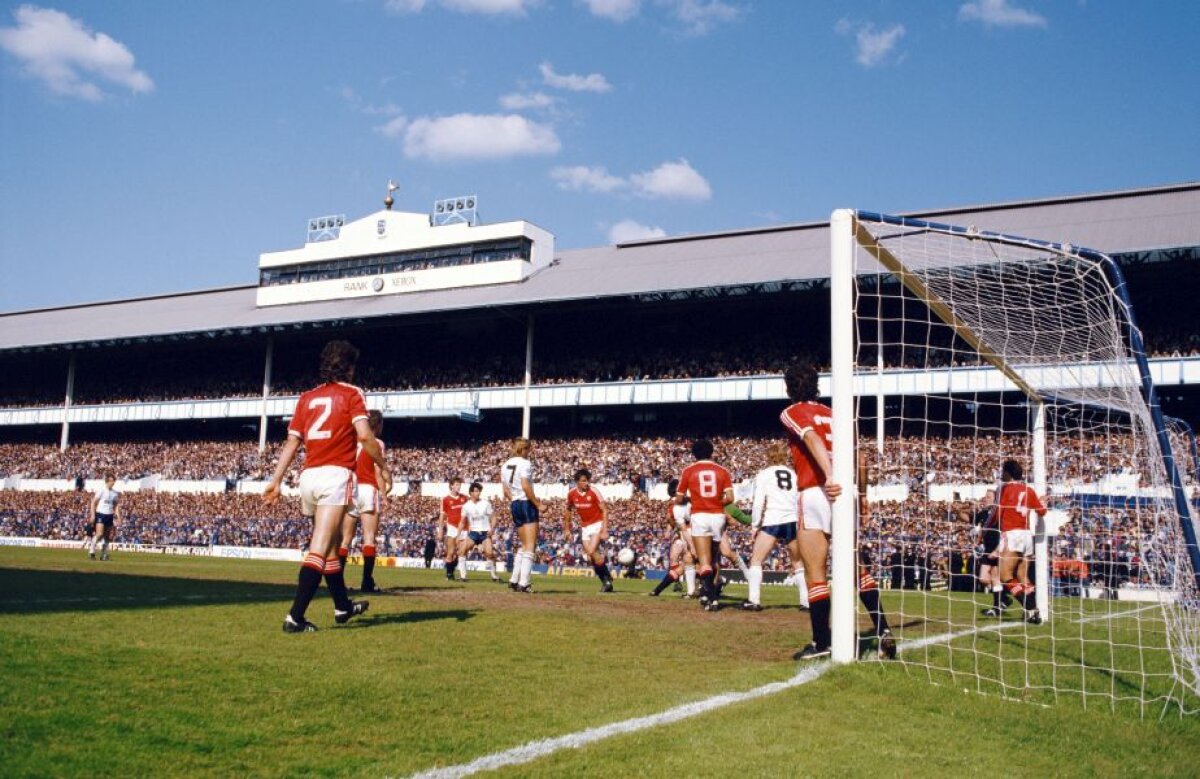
[955, 350]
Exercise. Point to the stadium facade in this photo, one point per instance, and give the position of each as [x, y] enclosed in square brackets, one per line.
[646, 297]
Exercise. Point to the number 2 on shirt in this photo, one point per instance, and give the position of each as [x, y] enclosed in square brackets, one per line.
[315, 431]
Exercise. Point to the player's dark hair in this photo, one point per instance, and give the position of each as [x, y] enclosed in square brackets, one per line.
[672, 487]
[702, 449]
[338, 359]
[475, 486]
[583, 473]
[454, 480]
[375, 420]
[1012, 469]
[800, 379]
[110, 477]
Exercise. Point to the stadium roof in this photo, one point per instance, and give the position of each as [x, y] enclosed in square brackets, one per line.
[1113, 222]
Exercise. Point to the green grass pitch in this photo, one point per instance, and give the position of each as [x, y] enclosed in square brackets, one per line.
[163, 666]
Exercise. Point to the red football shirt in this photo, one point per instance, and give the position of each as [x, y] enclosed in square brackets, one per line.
[1015, 502]
[324, 421]
[705, 483]
[588, 504]
[452, 508]
[364, 467]
[798, 419]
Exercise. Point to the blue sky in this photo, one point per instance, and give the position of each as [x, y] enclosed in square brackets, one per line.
[150, 147]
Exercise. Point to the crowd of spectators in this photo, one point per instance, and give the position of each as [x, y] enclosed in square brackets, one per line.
[912, 542]
[642, 460]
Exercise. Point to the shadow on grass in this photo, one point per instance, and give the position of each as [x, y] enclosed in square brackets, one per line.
[411, 617]
[24, 591]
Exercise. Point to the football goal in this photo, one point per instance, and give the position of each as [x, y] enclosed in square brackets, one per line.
[955, 351]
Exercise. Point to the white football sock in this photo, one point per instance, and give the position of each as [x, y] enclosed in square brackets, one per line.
[689, 576]
[754, 579]
[526, 568]
[462, 569]
[516, 568]
[802, 586]
[741, 564]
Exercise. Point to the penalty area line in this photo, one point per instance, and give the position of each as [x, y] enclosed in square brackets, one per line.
[534, 750]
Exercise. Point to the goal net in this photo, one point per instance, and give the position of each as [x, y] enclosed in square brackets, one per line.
[954, 350]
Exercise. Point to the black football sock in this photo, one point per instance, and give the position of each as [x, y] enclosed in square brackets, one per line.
[666, 582]
[870, 599]
[368, 577]
[307, 584]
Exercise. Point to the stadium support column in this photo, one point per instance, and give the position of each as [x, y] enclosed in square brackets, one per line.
[266, 394]
[879, 399]
[528, 375]
[65, 439]
[843, 582]
[1041, 556]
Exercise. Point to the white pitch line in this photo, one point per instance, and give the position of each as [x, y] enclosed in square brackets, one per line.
[543, 747]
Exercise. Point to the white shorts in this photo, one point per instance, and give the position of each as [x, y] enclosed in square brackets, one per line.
[325, 485]
[816, 512]
[588, 532]
[451, 531]
[708, 525]
[366, 501]
[1019, 541]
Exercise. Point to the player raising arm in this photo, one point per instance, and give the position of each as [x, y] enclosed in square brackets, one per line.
[330, 422]
[516, 476]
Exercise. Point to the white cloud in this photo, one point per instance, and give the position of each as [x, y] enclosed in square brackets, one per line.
[355, 102]
[521, 101]
[489, 7]
[998, 13]
[593, 82]
[629, 230]
[478, 137]
[871, 47]
[699, 17]
[68, 57]
[874, 47]
[405, 6]
[671, 181]
[581, 178]
[393, 128]
[614, 10]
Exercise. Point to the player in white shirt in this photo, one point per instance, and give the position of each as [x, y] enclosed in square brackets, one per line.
[682, 557]
[103, 512]
[516, 477]
[481, 521]
[774, 519]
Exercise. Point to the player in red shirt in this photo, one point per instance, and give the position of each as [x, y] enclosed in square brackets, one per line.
[373, 486]
[709, 488]
[593, 518]
[1014, 503]
[331, 423]
[451, 526]
[809, 427]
